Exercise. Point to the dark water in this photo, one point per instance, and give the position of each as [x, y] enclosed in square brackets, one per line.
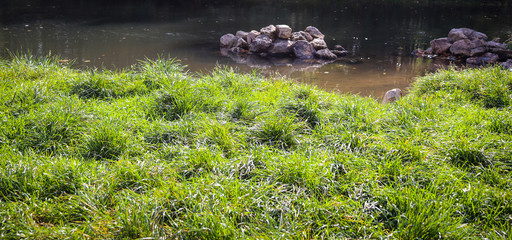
[379, 34]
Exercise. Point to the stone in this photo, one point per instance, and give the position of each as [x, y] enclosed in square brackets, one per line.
[494, 44]
[340, 53]
[270, 31]
[252, 35]
[457, 34]
[468, 48]
[486, 59]
[392, 95]
[296, 36]
[507, 64]
[318, 44]
[440, 46]
[241, 43]
[281, 47]
[242, 34]
[504, 54]
[338, 48]
[315, 33]
[284, 31]
[303, 50]
[260, 44]
[325, 54]
[228, 40]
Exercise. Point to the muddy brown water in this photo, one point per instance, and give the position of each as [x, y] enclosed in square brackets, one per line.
[379, 34]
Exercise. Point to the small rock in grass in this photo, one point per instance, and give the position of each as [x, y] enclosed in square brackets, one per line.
[392, 95]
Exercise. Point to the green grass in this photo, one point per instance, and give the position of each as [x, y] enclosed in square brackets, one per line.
[156, 152]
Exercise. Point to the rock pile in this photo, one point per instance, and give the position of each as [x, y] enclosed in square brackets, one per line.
[281, 41]
[468, 46]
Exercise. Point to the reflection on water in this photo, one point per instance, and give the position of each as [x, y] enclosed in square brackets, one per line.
[380, 36]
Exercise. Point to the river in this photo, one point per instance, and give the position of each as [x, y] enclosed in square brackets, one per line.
[379, 34]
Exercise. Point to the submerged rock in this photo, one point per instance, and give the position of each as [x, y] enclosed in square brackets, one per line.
[325, 54]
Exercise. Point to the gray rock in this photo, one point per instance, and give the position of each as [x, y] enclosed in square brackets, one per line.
[318, 44]
[392, 96]
[315, 33]
[487, 58]
[338, 48]
[270, 31]
[340, 53]
[468, 48]
[507, 64]
[504, 54]
[303, 50]
[252, 35]
[325, 54]
[282, 47]
[284, 31]
[296, 36]
[457, 34]
[494, 44]
[440, 45]
[242, 34]
[241, 43]
[228, 40]
[260, 44]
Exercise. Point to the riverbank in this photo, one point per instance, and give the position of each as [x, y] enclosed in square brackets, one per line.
[153, 151]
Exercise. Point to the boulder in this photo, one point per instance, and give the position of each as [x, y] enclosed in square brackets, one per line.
[457, 34]
[228, 40]
[282, 47]
[252, 35]
[318, 44]
[392, 96]
[260, 44]
[468, 48]
[284, 31]
[440, 46]
[325, 54]
[296, 36]
[242, 34]
[315, 33]
[270, 31]
[487, 58]
[303, 50]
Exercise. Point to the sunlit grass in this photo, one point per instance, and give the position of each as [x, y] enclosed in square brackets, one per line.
[155, 152]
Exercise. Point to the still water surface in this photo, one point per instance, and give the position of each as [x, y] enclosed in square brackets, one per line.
[380, 35]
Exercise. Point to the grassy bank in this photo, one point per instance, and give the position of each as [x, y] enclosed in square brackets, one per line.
[154, 151]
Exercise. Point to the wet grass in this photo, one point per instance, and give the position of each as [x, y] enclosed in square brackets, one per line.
[156, 152]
